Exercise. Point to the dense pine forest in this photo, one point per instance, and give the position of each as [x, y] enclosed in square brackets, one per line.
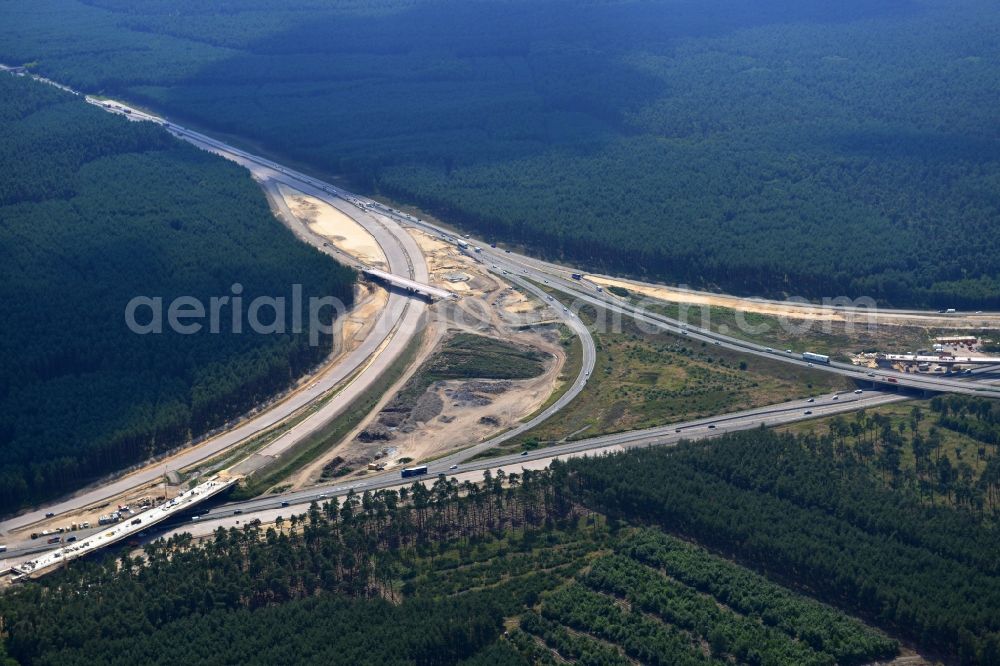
[756, 548]
[773, 147]
[95, 210]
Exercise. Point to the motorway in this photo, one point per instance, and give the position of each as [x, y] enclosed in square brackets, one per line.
[558, 277]
[398, 322]
[269, 508]
[401, 319]
[89, 541]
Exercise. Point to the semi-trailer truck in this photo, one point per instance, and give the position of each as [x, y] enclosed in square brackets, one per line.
[414, 471]
[815, 358]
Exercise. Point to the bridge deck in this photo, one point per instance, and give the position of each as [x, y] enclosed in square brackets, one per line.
[123, 530]
[410, 285]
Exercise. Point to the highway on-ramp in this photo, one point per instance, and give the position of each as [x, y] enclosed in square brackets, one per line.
[397, 323]
[402, 319]
[559, 278]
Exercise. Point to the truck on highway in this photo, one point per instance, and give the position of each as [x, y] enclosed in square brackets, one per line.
[414, 471]
[55, 539]
[462, 244]
[3, 549]
[815, 358]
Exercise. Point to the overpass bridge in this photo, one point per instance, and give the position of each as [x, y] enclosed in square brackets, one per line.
[408, 285]
[49, 560]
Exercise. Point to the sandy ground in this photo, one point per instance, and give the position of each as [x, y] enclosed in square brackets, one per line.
[343, 232]
[155, 493]
[444, 259]
[459, 425]
[516, 303]
[310, 474]
[803, 311]
[487, 306]
[369, 299]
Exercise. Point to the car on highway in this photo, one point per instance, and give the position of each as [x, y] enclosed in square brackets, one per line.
[871, 374]
[238, 512]
[811, 400]
[808, 412]
[836, 397]
[453, 467]
[717, 342]
[858, 392]
[768, 349]
[788, 351]
[678, 429]
[711, 426]
[524, 453]
[284, 504]
[50, 515]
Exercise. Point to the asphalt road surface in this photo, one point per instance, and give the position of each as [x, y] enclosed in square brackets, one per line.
[405, 259]
[269, 508]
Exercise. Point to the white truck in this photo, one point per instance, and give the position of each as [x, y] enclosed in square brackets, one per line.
[815, 358]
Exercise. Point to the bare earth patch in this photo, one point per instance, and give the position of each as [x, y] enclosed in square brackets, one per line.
[343, 232]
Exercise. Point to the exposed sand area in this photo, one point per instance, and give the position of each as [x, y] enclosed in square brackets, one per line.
[343, 232]
[791, 311]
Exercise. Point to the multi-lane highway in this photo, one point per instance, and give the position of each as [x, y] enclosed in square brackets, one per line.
[560, 279]
[401, 318]
[353, 374]
[396, 325]
[269, 508]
